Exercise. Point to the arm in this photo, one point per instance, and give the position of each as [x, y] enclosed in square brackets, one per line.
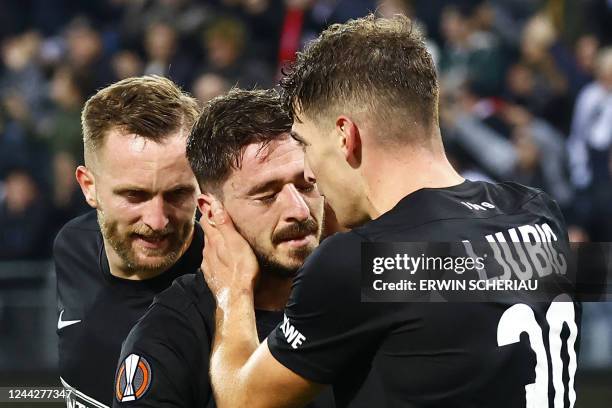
[243, 373]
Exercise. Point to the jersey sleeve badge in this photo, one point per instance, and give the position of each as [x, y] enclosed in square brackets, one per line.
[133, 378]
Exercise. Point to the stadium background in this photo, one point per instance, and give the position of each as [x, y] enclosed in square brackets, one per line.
[522, 99]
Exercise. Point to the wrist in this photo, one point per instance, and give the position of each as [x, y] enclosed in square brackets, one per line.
[234, 298]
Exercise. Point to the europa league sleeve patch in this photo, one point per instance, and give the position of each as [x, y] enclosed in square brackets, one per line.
[133, 378]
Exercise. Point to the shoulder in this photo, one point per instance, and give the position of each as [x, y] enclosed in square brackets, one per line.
[187, 292]
[167, 332]
[187, 306]
[531, 199]
[336, 250]
[333, 265]
[77, 252]
[87, 222]
[175, 350]
[79, 233]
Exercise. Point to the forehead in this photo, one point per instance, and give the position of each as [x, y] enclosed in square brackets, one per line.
[130, 158]
[281, 160]
[305, 128]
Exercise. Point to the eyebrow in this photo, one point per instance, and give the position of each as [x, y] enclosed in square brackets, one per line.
[273, 184]
[295, 136]
[264, 186]
[187, 188]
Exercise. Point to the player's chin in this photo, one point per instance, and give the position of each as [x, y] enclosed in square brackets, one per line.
[147, 255]
[296, 255]
[155, 262]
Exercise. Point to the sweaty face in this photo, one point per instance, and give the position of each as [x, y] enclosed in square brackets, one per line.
[145, 193]
[277, 211]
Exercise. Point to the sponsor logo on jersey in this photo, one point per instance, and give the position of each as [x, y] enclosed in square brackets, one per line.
[292, 335]
[133, 378]
[478, 207]
[65, 323]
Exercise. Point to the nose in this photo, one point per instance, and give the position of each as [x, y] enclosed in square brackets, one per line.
[296, 209]
[155, 214]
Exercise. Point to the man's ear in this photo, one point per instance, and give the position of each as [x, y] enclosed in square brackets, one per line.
[205, 201]
[350, 140]
[87, 181]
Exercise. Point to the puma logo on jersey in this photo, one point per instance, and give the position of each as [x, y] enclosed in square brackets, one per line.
[478, 207]
[292, 335]
[65, 323]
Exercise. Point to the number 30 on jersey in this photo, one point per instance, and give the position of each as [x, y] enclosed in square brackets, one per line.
[520, 319]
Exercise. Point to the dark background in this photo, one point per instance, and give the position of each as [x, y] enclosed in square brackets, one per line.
[521, 100]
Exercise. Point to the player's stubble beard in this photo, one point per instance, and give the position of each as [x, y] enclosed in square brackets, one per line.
[121, 243]
[270, 264]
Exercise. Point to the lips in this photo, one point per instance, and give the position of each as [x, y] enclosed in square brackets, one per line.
[152, 241]
[297, 241]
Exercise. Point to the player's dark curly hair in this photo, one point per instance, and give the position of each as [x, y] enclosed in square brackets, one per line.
[379, 66]
[226, 125]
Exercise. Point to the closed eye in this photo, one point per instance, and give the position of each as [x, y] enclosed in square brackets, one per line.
[178, 195]
[267, 199]
[307, 188]
[135, 196]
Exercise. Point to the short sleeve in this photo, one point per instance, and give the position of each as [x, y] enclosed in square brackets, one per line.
[326, 328]
[157, 367]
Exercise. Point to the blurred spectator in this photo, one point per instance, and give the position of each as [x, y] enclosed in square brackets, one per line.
[591, 136]
[207, 86]
[590, 151]
[187, 17]
[22, 75]
[225, 41]
[22, 91]
[23, 217]
[126, 64]
[550, 73]
[389, 8]
[64, 137]
[164, 56]
[470, 52]
[586, 50]
[511, 71]
[264, 20]
[86, 55]
[64, 123]
[515, 142]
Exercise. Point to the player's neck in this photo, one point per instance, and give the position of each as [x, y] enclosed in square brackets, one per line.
[118, 270]
[272, 292]
[395, 176]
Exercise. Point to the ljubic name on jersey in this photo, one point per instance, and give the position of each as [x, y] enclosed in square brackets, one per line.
[533, 250]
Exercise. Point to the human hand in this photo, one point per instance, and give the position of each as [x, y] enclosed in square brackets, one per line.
[229, 264]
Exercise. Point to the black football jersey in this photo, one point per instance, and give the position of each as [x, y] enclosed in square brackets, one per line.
[96, 310]
[165, 358]
[512, 353]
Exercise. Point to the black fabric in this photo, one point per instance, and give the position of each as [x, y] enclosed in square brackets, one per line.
[106, 306]
[421, 354]
[175, 338]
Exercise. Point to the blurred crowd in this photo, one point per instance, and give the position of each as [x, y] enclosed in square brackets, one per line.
[526, 88]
